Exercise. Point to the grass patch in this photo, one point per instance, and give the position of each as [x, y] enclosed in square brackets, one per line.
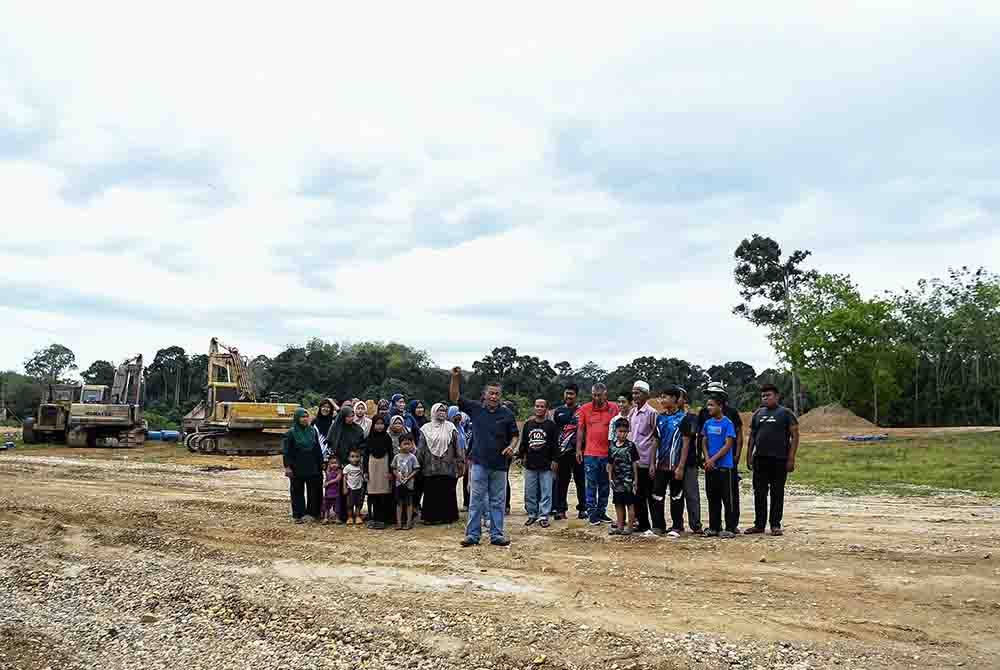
[905, 465]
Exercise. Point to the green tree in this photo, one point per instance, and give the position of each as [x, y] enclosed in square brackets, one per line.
[768, 284]
[99, 372]
[51, 363]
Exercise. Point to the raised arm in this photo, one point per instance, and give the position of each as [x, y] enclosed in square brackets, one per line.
[455, 385]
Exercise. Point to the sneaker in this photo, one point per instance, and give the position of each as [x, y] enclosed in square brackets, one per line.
[606, 519]
[626, 531]
[467, 542]
[530, 521]
[658, 498]
[309, 519]
[776, 532]
[502, 542]
[299, 520]
[596, 522]
[697, 531]
[711, 533]
[727, 535]
[648, 533]
[614, 531]
[753, 530]
[544, 523]
[673, 533]
[582, 515]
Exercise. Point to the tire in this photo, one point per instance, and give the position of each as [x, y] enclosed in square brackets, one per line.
[28, 431]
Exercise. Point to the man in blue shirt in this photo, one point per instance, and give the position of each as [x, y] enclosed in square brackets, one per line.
[496, 440]
[719, 438]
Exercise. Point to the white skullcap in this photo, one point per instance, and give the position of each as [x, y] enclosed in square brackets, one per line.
[642, 386]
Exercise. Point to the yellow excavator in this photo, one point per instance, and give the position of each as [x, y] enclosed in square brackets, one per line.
[230, 421]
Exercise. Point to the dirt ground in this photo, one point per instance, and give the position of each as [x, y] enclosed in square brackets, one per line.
[162, 559]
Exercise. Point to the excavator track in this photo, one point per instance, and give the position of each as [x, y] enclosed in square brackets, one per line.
[131, 439]
[234, 443]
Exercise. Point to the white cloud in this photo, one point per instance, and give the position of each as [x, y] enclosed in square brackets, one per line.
[458, 178]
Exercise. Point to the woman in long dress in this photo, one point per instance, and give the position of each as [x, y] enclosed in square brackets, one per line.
[378, 457]
[442, 461]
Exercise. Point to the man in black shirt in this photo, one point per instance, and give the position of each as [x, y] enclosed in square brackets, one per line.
[569, 469]
[718, 391]
[774, 439]
[539, 448]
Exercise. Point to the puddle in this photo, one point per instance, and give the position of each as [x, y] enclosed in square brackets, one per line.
[379, 577]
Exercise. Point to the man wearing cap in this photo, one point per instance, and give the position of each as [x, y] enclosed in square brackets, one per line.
[718, 391]
[642, 422]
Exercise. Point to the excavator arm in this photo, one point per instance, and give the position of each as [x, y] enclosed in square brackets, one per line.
[230, 358]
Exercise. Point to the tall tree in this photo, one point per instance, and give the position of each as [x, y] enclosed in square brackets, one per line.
[768, 284]
[51, 363]
[99, 372]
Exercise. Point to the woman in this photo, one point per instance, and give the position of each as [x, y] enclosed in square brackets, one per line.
[383, 409]
[442, 462]
[419, 413]
[361, 417]
[344, 436]
[464, 426]
[322, 422]
[303, 461]
[378, 457]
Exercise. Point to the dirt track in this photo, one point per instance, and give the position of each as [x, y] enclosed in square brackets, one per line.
[125, 563]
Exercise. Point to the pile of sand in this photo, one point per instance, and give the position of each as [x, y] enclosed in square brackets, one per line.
[834, 419]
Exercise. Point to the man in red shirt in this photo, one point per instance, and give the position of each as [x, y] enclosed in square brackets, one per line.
[592, 450]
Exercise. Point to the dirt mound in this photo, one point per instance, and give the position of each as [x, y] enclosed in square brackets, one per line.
[833, 419]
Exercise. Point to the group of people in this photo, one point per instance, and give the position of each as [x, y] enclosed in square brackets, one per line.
[405, 464]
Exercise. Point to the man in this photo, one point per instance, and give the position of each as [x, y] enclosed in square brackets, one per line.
[565, 418]
[539, 447]
[774, 440]
[717, 391]
[719, 442]
[676, 430]
[642, 423]
[496, 439]
[592, 450]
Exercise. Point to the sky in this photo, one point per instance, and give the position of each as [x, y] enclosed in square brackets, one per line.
[565, 178]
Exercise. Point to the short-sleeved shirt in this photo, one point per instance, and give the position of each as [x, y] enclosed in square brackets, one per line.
[565, 418]
[355, 477]
[716, 431]
[621, 458]
[539, 444]
[596, 421]
[494, 430]
[642, 431]
[403, 465]
[772, 431]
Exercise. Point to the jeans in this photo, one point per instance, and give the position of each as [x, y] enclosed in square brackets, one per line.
[769, 473]
[486, 498]
[598, 486]
[570, 470]
[538, 493]
[719, 490]
[307, 494]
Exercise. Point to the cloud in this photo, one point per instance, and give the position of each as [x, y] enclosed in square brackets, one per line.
[573, 184]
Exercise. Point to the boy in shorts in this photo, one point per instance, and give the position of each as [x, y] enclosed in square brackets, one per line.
[623, 471]
[404, 467]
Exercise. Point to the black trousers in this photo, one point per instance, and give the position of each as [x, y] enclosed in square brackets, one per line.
[769, 475]
[384, 507]
[307, 495]
[719, 491]
[569, 470]
[648, 512]
[735, 497]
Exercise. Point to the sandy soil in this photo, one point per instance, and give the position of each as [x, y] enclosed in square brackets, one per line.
[855, 582]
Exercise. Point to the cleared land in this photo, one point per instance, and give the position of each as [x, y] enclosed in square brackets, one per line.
[117, 559]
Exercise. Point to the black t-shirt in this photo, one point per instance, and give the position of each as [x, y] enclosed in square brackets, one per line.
[689, 428]
[566, 421]
[493, 429]
[539, 444]
[772, 431]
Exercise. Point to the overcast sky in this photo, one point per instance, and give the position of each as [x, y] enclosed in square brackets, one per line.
[569, 182]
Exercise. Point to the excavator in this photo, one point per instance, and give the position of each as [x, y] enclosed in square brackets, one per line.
[93, 415]
[230, 421]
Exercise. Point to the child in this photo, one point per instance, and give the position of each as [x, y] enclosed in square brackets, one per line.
[623, 471]
[354, 487]
[331, 490]
[405, 466]
[720, 436]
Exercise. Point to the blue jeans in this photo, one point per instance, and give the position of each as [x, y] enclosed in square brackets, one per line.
[487, 496]
[598, 486]
[538, 493]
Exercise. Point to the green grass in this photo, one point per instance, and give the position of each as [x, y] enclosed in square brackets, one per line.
[907, 466]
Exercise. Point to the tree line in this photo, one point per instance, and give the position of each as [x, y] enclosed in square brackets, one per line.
[929, 355]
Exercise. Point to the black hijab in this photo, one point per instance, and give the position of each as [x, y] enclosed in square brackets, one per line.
[323, 423]
[379, 443]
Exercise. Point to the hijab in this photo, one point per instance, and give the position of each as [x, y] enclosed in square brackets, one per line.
[364, 421]
[438, 432]
[379, 443]
[453, 411]
[302, 438]
[339, 428]
[383, 409]
[411, 408]
[412, 422]
[394, 437]
[323, 423]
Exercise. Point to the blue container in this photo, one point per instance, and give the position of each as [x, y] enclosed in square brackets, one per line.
[154, 435]
[170, 435]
